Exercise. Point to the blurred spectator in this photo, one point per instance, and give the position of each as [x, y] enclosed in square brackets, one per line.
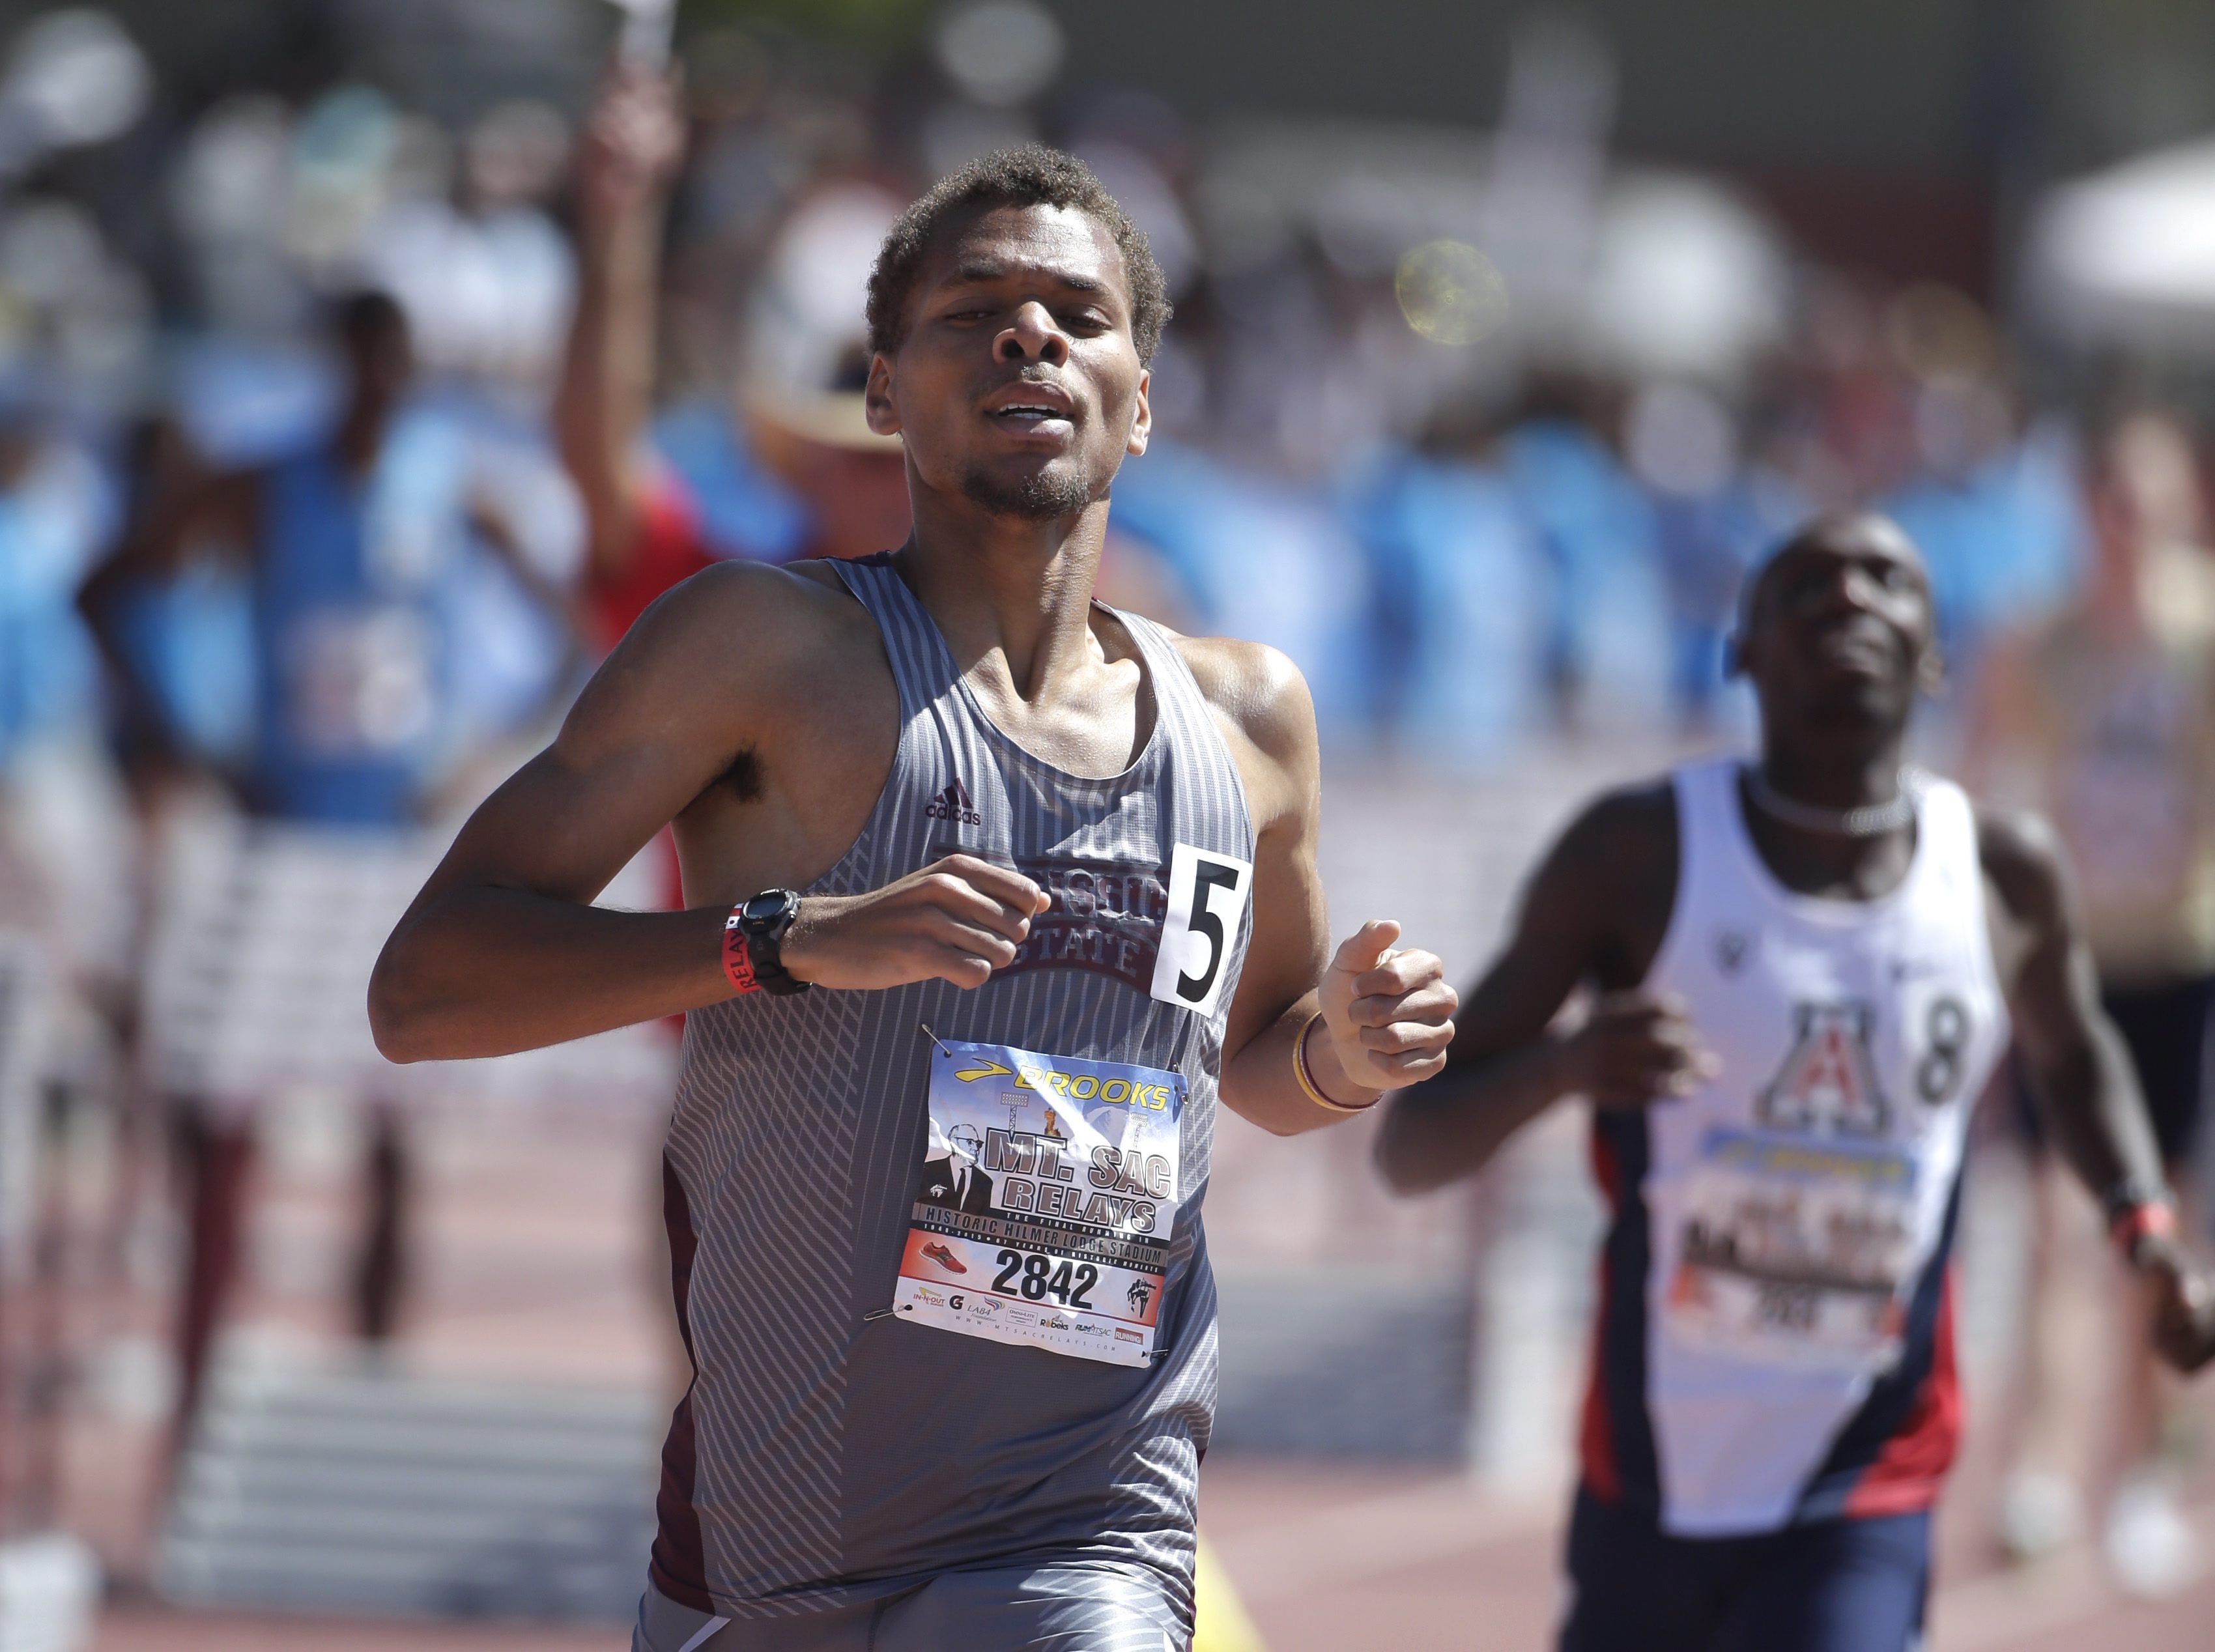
[2104, 717]
[486, 278]
[1995, 509]
[54, 512]
[1257, 559]
[1715, 516]
[60, 812]
[788, 467]
[347, 546]
[1608, 645]
[1465, 596]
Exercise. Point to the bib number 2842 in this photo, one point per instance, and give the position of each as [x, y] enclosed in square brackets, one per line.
[1207, 897]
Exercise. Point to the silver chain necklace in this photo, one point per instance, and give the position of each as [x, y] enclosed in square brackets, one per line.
[1868, 820]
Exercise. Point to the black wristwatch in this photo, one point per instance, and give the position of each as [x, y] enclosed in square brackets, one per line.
[763, 919]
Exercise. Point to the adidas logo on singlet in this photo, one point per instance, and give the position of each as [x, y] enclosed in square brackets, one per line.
[953, 804]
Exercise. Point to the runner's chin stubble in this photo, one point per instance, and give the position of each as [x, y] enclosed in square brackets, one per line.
[1037, 498]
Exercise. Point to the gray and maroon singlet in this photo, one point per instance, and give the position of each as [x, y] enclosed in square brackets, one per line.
[829, 1453]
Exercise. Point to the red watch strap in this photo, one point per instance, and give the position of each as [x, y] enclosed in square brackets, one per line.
[738, 962]
[2155, 1219]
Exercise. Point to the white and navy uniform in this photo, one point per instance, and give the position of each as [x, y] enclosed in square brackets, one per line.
[1775, 1342]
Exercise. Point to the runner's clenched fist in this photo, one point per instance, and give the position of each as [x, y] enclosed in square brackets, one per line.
[1389, 1011]
[958, 920]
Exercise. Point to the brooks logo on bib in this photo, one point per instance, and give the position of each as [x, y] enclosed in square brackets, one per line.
[1045, 1201]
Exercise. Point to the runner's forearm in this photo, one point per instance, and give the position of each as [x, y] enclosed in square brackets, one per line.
[1260, 1085]
[2091, 1104]
[482, 971]
[1450, 1126]
[2080, 1074]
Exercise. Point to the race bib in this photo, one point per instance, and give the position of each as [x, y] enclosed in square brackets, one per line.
[360, 683]
[1044, 1202]
[1207, 898]
[1795, 1252]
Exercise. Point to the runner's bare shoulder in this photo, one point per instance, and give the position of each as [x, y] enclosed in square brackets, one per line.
[1611, 878]
[741, 626]
[1256, 690]
[1262, 706]
[2025, 866]
[1627, 835]
[742, 656]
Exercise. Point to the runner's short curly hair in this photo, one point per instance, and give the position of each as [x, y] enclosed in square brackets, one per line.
[1030, 175]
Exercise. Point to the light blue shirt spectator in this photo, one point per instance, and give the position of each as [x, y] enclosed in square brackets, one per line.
[1608, 642]
[1263, 560]
[2004, 543]
[742, 509]
[56, 513]
[1464, 597]
[1709, 545]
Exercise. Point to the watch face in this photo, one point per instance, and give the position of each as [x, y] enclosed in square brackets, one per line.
[764, 907]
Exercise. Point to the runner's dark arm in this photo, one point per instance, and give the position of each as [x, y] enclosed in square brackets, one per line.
[1592, 915]
[502, 950]
[2080, 1075]
[191, 510]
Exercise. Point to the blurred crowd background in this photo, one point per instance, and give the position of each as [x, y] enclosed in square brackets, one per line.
[365, 367]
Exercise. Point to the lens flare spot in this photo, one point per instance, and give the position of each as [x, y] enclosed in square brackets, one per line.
[1450, 292]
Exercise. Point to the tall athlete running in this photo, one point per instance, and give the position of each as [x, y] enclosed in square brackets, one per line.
[935, 1178]
[1805, 967]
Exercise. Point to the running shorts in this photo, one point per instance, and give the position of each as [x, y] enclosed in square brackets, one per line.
[1825, 1586]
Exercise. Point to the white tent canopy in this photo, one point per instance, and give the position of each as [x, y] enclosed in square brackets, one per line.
[1641, 270]
[2126, 256]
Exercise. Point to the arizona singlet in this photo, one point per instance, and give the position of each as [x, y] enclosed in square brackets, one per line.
[1776, 1340]
[882, 1395]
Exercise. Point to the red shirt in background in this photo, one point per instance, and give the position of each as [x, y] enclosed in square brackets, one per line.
[668, 551]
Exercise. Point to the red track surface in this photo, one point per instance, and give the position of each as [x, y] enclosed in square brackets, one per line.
[533, 1267]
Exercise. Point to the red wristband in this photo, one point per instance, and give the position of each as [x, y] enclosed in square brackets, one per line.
[2151, 1220]
[738, 962]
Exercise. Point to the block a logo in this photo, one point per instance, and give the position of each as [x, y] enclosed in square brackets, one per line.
[1828, 1081]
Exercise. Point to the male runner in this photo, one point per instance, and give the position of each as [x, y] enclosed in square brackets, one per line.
[1056, 885]
[1805, 967]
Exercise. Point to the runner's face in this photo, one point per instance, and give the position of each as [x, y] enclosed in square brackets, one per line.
[1017, 384]
[1841, 631]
